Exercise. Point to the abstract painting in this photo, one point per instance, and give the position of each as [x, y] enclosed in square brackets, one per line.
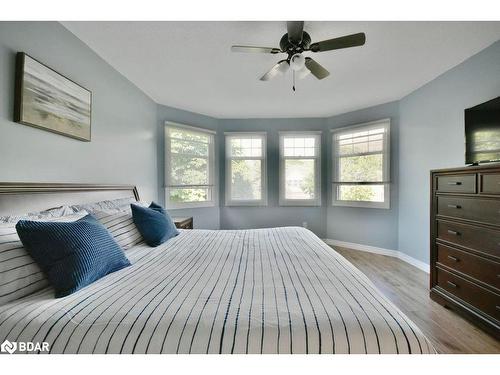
[47, 100]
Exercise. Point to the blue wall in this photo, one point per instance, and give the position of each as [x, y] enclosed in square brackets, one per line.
[123, 147]
[432, 136]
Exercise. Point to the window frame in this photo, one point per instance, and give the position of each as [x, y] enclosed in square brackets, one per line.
[263, 158]
[212, 186]
[386, 172]
[316, 201]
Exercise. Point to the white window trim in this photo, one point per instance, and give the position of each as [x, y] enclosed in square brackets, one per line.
[317, 170]
[252, 202]
[386, 165]
[211, 161]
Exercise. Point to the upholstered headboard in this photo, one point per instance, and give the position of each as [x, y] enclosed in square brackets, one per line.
[20, 197]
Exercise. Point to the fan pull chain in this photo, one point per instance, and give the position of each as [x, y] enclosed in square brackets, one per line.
[293, 87]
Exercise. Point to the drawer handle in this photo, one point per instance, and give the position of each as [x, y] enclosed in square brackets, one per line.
[455, 183]
[453, 285]
[453, 258]
[454, 206]
[455, 233]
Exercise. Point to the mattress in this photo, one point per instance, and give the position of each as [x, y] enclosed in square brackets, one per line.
[277, 290]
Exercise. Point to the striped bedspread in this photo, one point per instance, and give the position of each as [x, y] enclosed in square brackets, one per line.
[279, 290]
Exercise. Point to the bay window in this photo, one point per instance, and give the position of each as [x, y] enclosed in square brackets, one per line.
[300, 168]
[246, 182]
[189, 166]
[361, 165]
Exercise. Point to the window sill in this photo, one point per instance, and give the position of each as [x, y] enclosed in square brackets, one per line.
[355, 204]
[187, 206]
[246, 204]
[299, 203]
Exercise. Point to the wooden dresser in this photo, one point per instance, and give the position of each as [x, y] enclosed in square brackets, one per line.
[465, 242]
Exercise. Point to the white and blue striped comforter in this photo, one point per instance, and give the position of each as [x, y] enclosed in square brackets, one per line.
[279, 290]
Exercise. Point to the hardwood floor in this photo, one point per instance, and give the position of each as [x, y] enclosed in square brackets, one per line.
[408, 288]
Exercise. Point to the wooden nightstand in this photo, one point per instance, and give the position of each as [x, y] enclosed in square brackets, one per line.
[183, 222]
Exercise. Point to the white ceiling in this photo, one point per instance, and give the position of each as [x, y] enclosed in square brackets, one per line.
[188, 65]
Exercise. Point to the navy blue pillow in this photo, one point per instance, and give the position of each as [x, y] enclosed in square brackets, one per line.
[72, 254]
[154, 223]
[155, 206]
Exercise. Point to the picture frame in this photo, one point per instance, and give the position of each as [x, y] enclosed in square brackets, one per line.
[48, 100]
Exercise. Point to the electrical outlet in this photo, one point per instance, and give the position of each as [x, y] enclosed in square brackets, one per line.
[304, 224]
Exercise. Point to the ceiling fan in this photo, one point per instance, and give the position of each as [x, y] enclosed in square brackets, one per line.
[294, 43]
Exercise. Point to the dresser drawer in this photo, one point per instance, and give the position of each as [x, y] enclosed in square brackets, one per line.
[480, 239]
[473, 294]
[474, 266]
[463, 183]
[490, 183]
[481, 210]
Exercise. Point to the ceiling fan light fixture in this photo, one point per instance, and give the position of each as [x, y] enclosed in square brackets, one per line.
[297, 62]
[296, 41]
[303, 73]
[284, 67]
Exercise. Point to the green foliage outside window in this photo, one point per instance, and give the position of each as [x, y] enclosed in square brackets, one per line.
[361, 168]
[245, 179]
[189, 165]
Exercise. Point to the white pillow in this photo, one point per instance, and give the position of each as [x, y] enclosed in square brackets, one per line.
[116, 205]
[121, 226]
[50, 213]
[19, 274]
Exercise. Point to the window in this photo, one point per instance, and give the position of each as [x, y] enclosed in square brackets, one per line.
[300, 166]
[361, 160]
[246, 169]
[189, 166]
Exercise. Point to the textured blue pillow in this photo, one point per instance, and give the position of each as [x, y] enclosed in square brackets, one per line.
[154, 223]
[155, 206]
[72, 255]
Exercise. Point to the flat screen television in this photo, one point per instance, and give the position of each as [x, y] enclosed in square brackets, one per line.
[482, 132]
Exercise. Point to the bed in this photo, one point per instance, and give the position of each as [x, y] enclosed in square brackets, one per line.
[276, 290]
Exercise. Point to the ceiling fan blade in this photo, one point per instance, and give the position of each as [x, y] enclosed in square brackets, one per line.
[347, 41]
[253, 49]
[280, 68]
[316, 69]
[295, 31]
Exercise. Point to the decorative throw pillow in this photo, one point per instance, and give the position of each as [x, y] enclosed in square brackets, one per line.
[72, 255]
[154, 223]
[20, 275]
[121, 226]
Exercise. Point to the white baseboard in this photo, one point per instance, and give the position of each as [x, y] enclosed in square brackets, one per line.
[378, 250]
